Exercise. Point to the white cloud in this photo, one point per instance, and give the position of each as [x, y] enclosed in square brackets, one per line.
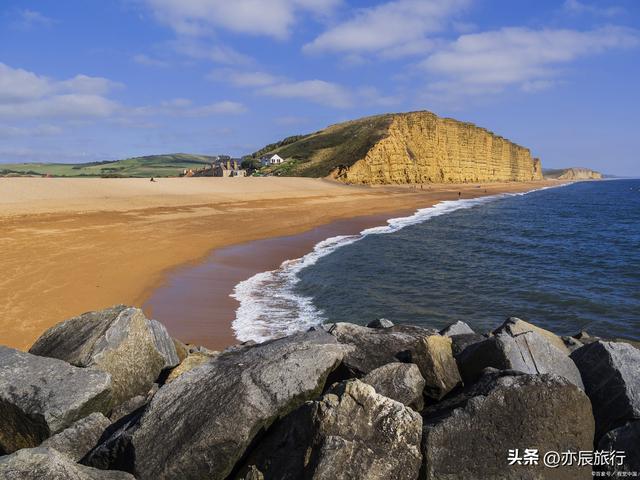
[28, 19]
[216, 53]
[24, 94]
[273, 18]
[489, 62]
[244, 79]
[146, 60]
[9, 131]
[317, 91]
[392, 29]
[183, 107]
[577, 7]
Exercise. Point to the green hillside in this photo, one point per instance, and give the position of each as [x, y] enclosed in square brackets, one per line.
[151, 166]
[317, 154]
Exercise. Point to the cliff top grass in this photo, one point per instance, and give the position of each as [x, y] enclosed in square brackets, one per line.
[150, 166]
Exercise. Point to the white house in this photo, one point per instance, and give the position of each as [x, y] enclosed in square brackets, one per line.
[271, 159]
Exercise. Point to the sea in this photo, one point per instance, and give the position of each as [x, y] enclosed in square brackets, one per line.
[566, 258]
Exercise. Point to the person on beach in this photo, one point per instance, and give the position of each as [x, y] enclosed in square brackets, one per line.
[459, 195]
[152, 179]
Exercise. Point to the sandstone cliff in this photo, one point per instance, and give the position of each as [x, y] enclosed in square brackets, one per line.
[415, 147]
[574, 173]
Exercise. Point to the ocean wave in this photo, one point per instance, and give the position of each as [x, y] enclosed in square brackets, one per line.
[271, 308]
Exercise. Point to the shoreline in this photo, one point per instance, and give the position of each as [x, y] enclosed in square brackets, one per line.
[202, 296]
[74, 245]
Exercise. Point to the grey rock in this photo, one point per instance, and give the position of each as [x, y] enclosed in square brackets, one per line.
[571, 343]
[457, 328]
[461, 341]
[515, 326]
[611, 375]
[76, 441]
[623, 439]
[527, 352]
[48, 464]
[401, 382]
[351, 433]
[40, 397]
[253, 474]
[164, 344]
[119, 340]
[200, 425]
[374, 347]
[380, 323]
[584, 337]
[470, 436]
[127, 407]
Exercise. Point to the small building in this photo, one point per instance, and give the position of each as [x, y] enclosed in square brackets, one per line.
[230, 168]
[274, 159]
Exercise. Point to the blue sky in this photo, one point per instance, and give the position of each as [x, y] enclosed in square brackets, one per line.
[97, 80]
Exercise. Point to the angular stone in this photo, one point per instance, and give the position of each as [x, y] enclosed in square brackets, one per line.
[119, 340]
[351, 433]
[438, 367]
[462, 341]
[375, 347]
[127, 407]
[192, 361]
[48, 464]
[458, 328]
[181, 349]
[401, 382]
[611, 375]
[623, 439]
[380, 323]
[79, 438]
[527, 352]
[515, 326]
[470, 436]
[253, 474]
[200, 425]
[42, 396]
[571, 343]
[164, 344]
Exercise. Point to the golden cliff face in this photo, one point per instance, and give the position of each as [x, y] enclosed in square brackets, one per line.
[578, 173]
[421, 147]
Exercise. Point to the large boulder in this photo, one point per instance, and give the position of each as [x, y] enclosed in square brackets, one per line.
[200, 425]
[374, 347]
[192, 361]
[611, 375]
[438, 367]
[515, 326]
[76, 441]
[625, 439]
[471, 436]
[120, 341]
[461, 341]
[42, 396]
[351, 433]
[401, 382]
[47, 464]
[457, 328]
[526, 352]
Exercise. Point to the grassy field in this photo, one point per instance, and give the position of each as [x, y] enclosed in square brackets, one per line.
[151, 166]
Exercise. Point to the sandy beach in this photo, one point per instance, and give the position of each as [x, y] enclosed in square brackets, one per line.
[72, 245]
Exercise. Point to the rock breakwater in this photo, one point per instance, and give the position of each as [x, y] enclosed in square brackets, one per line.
[340, 401]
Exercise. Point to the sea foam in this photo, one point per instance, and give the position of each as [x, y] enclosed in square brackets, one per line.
[270, 307]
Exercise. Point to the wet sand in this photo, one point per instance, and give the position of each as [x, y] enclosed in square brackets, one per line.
[72, 245]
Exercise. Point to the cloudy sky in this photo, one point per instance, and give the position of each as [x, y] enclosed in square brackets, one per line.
[98, 80]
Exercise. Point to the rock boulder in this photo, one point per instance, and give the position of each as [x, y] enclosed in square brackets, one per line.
[401, 382]
[120, 341]
[79, 438]
[40, 397]
[515, 326]
[351, 433]
[611, 375]
[526, 352]
[470, 436]
[200, 425]
[623, 439]
[457, 328]
[48, 464]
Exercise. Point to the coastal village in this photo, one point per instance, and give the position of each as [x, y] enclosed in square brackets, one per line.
[225, 166]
